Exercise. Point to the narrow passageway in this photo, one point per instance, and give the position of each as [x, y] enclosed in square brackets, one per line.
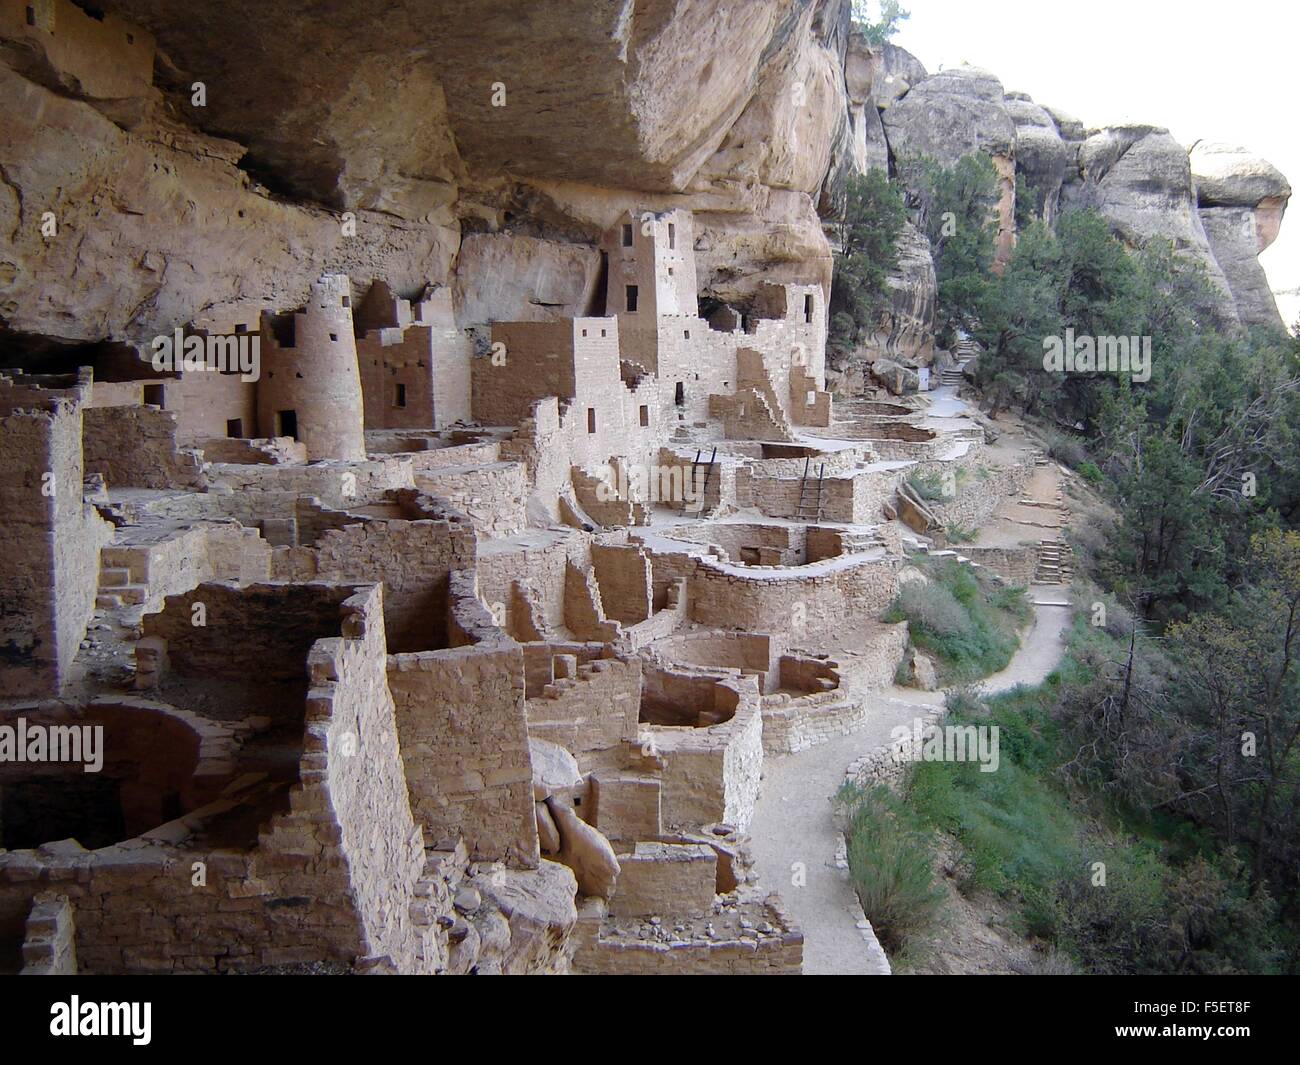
[792, 830]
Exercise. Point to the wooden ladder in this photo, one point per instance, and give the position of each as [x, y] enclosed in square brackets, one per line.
[708, 475]
[805, 511]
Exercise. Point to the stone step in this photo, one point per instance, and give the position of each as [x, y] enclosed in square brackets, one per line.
[132, 594]
[114, 576]
[108, 602]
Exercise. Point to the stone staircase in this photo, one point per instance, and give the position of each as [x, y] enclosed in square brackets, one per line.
[117, 588]
[1055, 563]
[964, 351]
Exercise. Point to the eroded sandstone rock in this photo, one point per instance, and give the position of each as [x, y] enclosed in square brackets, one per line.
[585, 851]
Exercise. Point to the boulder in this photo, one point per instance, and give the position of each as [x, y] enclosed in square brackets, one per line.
[923, 675]
[554, 769]
[897, 378]
[1230, 176]
[539, 907]
[584, 850]
[548, 836]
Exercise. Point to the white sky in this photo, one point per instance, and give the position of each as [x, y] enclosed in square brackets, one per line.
[1211, 71]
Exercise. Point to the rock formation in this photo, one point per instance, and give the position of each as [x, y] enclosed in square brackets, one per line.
[1241, 199]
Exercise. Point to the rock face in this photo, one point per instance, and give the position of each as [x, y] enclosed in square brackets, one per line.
[1241, 199]
[1041, 154]
[1138, 177]
[863, 71]
[157, 227]
[907, 330]
[897, 73]
[413, 123]
[198, 168]
[503, 276]
[955, 113]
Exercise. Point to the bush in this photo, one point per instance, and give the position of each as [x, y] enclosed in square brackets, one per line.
[966, 623]
[926, 485]
[934, 608]
[1067, 450]
[1170, 904]
[959, 534]
[1091, 472]
[891, 862]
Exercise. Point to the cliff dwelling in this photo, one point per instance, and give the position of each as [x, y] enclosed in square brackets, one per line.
[454, 623]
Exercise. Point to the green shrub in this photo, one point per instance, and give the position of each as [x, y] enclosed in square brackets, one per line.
[967, 623]
[926, 485]
[891, 863]
[1171, 902]
[959, 534]
[1066, 449]
[934, 609]
[1091, 472]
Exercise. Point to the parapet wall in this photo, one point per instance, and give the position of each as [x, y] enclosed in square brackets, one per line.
[464, 741]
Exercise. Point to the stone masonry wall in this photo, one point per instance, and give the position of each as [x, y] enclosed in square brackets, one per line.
[136, 447]
[464, 735]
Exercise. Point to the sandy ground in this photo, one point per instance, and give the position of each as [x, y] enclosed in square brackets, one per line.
[792, 829]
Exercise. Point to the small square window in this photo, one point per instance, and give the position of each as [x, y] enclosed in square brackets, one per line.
[153, 395]
[584, 332]
[235, 427]
[686, 333]
[334, 337]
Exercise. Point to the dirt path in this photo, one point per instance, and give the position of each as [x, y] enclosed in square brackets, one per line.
[792, 828]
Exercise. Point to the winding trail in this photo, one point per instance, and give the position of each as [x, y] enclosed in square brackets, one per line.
[792, 820]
